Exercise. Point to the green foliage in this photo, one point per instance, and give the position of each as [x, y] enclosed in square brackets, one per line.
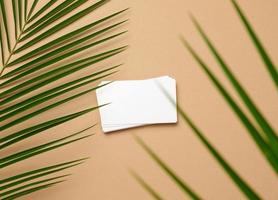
[261, 131]
[32, 69]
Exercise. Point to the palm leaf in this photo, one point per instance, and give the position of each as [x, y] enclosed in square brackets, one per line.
[265, 139]
[264, 124]
[16, 101]
[268, 153]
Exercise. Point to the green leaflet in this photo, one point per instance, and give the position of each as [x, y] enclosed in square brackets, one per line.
[37, 172]
[27, 70]
[16, 157]
[42, 10]
[272, 69]
[28, 191]
[2, 50]
[14, 4]
[54, 95]
[25, 9]
[46, 108]
[5, 22]
[35, 2]
[179, 182]
[146, 186]
[20, 17]
[13, 191]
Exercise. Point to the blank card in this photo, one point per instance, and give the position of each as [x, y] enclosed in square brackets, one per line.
[136, 103]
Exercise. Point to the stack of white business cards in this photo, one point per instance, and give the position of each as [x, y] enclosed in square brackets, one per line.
[135, 103]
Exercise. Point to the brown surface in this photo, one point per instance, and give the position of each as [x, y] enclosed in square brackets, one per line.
[155, 50]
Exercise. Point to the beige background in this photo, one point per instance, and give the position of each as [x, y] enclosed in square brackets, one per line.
[155, 50]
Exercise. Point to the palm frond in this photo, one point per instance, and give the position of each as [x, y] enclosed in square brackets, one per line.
[264, 147]
[265, 138]
[242, 185]
[40, 70]
[263, 123]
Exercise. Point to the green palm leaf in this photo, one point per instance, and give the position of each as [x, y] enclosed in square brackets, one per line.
[269, 154]
[20, 80]
[265, 138]
[264, 124]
